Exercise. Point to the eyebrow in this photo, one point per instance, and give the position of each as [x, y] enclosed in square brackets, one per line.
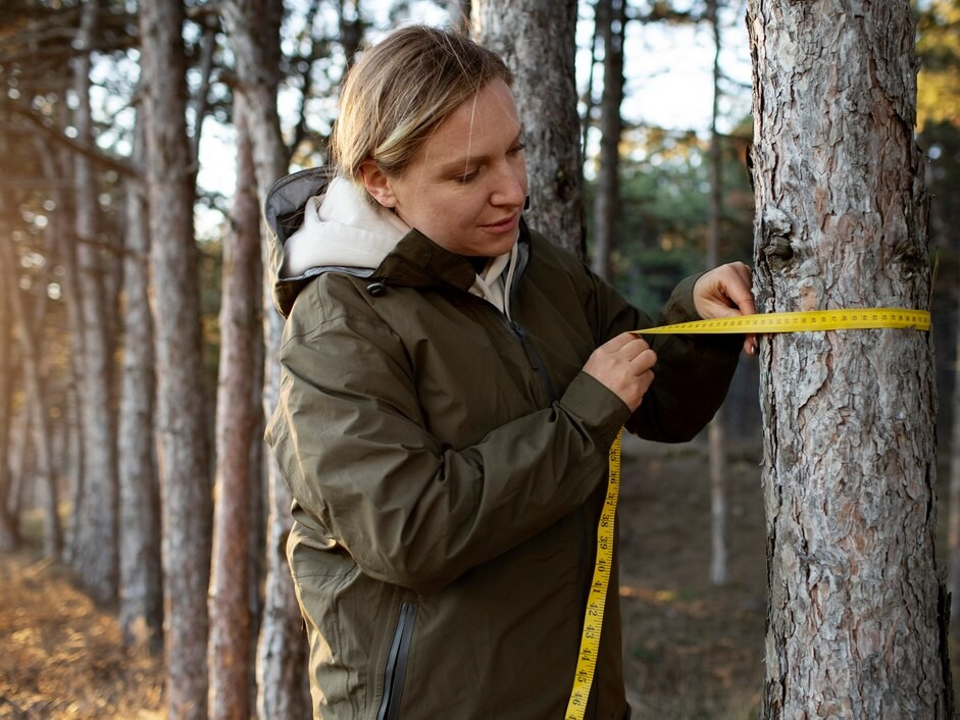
[457, 165]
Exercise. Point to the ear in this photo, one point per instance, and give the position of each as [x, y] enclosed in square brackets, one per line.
[377, 184]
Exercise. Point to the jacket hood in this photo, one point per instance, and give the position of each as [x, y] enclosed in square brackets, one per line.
[283, 213]
[341, 228]
[318, 222]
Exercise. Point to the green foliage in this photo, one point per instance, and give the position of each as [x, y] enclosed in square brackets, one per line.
[938, 45]
[662, 227]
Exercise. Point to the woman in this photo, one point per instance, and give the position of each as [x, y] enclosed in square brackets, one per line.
[451, 385]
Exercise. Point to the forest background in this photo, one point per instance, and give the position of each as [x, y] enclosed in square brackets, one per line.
[76, 251]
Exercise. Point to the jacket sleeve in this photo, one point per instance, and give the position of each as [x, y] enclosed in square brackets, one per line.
[692, 374]
[351, 442]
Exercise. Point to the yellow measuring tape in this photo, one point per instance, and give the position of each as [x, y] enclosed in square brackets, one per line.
[783, 322]
[808, 321]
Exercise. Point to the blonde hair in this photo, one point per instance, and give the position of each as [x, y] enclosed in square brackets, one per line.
[401, 89]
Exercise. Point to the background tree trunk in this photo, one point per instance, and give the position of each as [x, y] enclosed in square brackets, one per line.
[94, 555]
[854, 623]
[29, 320]
[141, 584]
[612, 22]
[716, 431]
[537, 39]
[282, 684]
[460, 15]
[953, 515]
[238, 419]
[9, 518]
[183, 460]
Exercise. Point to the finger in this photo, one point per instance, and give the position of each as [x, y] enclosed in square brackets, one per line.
[736, 287]
[634, 347]
[644, 361]
[618, 343]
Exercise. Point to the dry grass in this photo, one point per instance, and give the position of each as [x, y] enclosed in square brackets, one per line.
[61, 657]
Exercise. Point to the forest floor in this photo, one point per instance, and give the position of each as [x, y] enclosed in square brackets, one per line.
[693, 651]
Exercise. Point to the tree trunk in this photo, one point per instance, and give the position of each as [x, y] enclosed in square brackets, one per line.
[238, 418]
[953, 515]
[9, 519]
[94, 556]
[183, 452]
[459, 15]
[855, 622]
[30, 324]
[612, 18]
[537, 39]
[282, 685]
[141, 585]
[716, 432]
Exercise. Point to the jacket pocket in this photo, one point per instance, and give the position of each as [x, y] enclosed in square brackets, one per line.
[396, 667]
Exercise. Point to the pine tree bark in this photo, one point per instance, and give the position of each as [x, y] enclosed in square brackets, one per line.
[95, 553]
[238, 420]
[855, 626]
[183, 452]
[141, 585]
[537, 39]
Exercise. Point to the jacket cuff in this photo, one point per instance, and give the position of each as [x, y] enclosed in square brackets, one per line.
[595, 407]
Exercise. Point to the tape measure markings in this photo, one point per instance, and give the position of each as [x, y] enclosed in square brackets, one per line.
[783, 322]
[596, 601]
[803, 321]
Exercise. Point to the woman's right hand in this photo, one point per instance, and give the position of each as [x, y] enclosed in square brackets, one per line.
[624, 365]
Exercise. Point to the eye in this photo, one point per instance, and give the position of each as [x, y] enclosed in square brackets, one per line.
[517, 149]
[469, 175]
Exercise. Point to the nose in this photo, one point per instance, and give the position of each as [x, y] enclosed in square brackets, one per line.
[510, 189]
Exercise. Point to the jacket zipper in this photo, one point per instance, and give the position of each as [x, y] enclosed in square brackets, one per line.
[533, 357]
[397, 663]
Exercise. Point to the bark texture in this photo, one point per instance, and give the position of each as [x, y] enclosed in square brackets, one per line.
[183, 453]
[855, 624]
[537, 39]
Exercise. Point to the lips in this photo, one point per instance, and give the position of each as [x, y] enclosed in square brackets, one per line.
[505, 225]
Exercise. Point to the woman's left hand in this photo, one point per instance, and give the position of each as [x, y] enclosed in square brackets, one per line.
[726, 291]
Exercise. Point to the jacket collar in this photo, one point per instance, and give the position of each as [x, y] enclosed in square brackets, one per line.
[415, 261]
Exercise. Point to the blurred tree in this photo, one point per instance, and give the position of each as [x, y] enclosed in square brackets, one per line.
[716, 431]
[95, 551]
[29, 313]
[184, 456]
[849, 417]
[9, 521]
[611, 20]
[238, 427]
[253, 32]
[141, 584]
[938, 109]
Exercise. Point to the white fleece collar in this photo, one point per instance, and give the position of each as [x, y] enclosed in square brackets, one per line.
[341, 228]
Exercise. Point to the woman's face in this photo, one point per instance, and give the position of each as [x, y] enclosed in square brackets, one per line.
[465, 188]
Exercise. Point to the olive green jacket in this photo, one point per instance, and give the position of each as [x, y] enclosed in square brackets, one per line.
[448, 465]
